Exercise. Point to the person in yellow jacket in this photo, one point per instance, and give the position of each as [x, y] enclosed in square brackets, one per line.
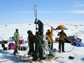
[50, 35]
[16, 39]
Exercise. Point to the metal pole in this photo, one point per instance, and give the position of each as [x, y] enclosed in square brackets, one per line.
[35, 13]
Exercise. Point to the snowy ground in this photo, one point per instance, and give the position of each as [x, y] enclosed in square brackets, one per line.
[77, 29]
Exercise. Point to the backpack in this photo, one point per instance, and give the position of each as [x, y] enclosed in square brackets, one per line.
[11, 46]
[21, 42]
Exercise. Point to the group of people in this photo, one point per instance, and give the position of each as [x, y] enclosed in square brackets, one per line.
[37, 39]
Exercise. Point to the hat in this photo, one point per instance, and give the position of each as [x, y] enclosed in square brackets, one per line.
[39, 21]
[48, 30]
[29, 32]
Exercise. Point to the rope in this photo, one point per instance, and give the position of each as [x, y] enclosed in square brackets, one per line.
[9, 59]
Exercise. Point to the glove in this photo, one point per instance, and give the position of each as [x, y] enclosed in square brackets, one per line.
[36, 28]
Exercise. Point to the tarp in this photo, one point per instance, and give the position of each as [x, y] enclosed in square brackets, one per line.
[61, 27]
[78, 43]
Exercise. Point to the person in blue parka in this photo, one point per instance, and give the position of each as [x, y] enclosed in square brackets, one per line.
[40, 27]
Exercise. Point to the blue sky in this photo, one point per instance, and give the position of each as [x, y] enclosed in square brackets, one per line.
[22, 11]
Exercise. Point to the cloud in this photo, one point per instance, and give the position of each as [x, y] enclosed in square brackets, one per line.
[32, 12]
[44, 12]
[77, 11]
[78, 4]
[25, 12]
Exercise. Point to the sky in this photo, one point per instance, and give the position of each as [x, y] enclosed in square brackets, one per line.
[22, 11]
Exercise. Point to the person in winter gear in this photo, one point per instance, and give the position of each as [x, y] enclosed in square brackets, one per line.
[16, 39]
[40, 27]
[50, 35]
[31, 42]
[38, 47]
[62, 36]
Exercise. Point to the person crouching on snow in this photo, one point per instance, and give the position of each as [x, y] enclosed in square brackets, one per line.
[50, 35]
[62, 36]
[16, 39]
[30, 42]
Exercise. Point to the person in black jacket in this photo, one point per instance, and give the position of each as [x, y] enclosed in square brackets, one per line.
[38, 47]
[30, 42]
